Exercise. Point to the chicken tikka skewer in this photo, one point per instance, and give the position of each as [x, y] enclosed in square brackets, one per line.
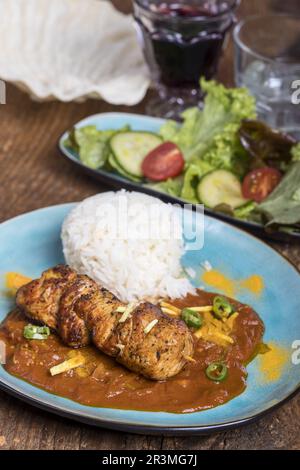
[141, 337]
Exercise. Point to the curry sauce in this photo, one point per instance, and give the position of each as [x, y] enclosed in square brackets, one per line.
[101, 382]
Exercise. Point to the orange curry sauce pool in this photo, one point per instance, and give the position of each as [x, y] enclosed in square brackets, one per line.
[104, 383]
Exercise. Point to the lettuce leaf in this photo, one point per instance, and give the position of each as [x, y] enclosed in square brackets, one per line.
[282, 207]
[211, 134]
[91, 144]
[171, 186]
[296, 153]
[267, 146]
[209, 137]
[245, 211]
[184, 187]
[192, 177]
[169, 131]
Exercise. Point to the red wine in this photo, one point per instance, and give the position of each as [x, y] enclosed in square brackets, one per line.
[190, 11]
[180, 52]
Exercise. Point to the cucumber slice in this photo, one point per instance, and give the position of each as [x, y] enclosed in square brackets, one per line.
[220, 187]
[130, 149]
[115, 166]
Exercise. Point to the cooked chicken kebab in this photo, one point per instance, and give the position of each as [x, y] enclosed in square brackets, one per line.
[140, 337]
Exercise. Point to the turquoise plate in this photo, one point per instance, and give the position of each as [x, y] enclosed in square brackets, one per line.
[31, 242]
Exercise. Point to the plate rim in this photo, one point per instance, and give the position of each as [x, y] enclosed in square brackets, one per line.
[114, 177]
[110, 423]
[140, 428]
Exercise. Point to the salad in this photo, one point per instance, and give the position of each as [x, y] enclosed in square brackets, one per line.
[220, 156]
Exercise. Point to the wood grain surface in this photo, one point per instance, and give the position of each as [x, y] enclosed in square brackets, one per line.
[32, 175]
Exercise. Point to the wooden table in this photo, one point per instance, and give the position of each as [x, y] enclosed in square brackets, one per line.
[34, 175]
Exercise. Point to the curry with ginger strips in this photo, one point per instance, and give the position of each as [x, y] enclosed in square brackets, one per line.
[102, 382]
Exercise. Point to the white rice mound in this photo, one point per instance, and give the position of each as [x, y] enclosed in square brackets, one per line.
[131, 263]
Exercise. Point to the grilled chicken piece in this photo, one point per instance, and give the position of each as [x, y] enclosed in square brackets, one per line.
[100, 311]
[81, 312]
[40, 299]
[72, 326]
[161, 353]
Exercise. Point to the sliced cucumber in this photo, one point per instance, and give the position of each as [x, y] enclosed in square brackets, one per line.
[220, 187]
[115, 166]
[130, 149]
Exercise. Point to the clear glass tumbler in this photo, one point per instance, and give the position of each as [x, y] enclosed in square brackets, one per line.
[267, 61]
[182, 41]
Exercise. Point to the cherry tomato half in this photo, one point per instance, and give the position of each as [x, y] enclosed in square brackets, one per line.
[165, 161]
[259, 183]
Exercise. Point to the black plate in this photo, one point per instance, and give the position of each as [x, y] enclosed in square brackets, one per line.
[117, 181]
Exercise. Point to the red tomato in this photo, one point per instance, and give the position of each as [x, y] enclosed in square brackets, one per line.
[259, 183]
[165, 161]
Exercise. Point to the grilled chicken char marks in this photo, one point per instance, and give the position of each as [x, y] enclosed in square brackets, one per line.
[71, 323]
[40, 299]
[81, 312]
[158, 354]
[99, 310]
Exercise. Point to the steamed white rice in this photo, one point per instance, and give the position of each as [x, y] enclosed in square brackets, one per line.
[129, 243]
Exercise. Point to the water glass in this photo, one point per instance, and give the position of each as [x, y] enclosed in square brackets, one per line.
[267, 61]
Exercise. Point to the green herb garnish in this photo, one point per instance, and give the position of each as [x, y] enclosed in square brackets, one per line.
[191, 318]
[222, 308]
[216, 371]
[36, 332]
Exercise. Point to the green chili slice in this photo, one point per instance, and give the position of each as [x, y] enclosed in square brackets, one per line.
[36, 332]
[222, 308]
[217, 371]
[191, 318]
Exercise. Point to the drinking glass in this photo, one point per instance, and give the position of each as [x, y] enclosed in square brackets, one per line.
[182, 41]
[267, 61]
